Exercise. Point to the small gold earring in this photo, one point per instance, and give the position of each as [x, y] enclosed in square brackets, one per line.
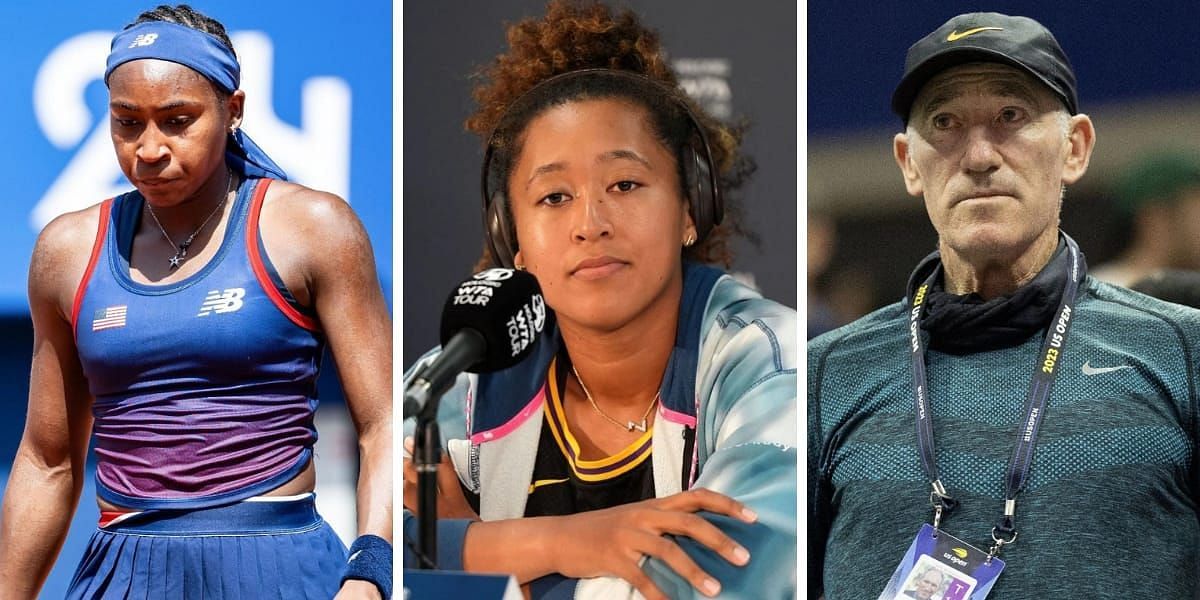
[691, 239]
[519, 267]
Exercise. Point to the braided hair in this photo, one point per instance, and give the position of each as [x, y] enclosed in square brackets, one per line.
[187, 16]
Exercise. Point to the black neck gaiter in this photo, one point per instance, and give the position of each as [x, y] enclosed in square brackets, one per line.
[965, 324]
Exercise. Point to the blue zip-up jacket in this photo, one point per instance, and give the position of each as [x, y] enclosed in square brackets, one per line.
[731, 376]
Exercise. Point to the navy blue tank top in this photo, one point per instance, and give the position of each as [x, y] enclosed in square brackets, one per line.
[204, 389]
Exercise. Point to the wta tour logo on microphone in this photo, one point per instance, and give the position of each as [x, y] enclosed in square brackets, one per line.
[479, 289]
[525, 324]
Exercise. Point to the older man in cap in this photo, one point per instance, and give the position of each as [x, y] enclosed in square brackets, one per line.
[1031, 429]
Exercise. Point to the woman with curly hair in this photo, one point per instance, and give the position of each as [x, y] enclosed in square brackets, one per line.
[649, 442]
[181, 326]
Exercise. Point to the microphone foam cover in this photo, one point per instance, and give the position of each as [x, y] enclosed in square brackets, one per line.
[506, 307]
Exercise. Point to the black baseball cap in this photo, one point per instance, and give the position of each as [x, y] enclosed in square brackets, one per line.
[987, 37]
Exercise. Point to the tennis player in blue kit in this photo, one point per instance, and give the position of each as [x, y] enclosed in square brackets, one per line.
[190, 316]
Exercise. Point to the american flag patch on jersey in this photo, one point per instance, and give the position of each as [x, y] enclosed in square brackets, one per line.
[108, 318]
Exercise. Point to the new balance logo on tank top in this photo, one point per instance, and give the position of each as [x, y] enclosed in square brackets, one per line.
[204, 389]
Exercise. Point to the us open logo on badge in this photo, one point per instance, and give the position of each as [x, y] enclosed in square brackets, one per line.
[109, 318]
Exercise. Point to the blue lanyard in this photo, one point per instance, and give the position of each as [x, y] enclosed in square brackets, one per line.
[1035, 402]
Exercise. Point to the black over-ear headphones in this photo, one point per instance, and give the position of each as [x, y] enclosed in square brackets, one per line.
[700, 178]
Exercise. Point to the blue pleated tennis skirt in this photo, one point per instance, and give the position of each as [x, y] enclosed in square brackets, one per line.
[252, 549]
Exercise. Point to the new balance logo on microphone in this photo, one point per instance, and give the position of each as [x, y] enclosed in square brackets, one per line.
[222, 301]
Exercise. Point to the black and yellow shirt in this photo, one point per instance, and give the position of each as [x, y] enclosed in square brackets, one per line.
[563, 483]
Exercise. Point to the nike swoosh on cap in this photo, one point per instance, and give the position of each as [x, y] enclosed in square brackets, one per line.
[1090, 370]
[955, 35]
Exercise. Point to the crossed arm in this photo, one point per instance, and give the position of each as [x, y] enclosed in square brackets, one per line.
[690, 538]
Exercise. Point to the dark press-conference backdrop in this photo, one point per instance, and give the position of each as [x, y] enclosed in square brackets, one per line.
[738, 60]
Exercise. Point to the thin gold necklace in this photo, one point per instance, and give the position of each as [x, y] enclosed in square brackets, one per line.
[629, 425]
[181, 253]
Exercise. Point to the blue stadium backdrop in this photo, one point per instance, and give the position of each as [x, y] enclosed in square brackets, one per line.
[1139, 80]
[318, 80]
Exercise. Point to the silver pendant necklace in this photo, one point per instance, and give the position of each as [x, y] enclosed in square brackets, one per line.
[629, 425]
[181, 253]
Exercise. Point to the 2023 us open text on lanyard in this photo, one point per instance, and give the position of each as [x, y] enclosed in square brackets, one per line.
[1040, 385]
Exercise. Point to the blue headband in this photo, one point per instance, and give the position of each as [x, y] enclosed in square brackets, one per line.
[206, 55]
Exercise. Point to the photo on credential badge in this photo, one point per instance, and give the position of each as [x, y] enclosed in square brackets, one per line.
[931, 579]
[322, 113]
[1049, 169]
[641, 168]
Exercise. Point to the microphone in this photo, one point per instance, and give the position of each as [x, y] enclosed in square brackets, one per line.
[489, 322]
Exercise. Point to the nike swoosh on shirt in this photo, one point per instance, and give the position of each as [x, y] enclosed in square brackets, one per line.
[955, 35]
[543, 482]
[1090, 370]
